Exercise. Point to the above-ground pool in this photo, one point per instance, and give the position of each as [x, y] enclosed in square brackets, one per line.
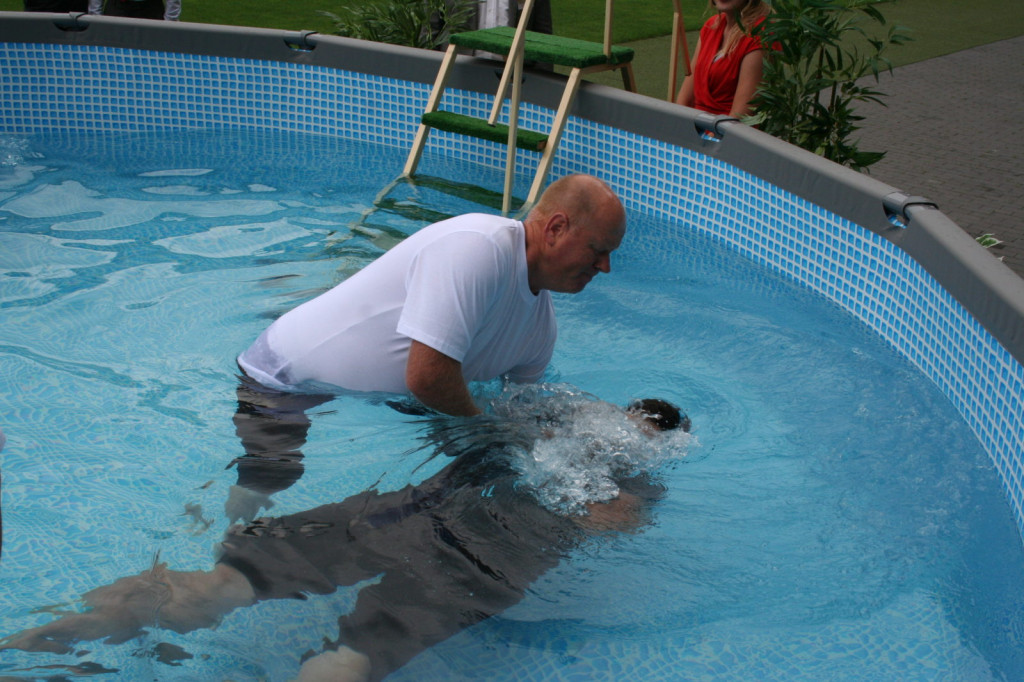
[848, 505]
[826, 520]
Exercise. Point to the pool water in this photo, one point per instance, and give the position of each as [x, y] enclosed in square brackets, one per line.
[831, 517]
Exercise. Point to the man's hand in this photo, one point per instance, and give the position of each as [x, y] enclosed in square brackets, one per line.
[436, 380]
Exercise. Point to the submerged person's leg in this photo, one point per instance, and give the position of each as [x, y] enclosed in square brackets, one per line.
[402, 615]
[157, 597]
[450, 566]
[287, 557]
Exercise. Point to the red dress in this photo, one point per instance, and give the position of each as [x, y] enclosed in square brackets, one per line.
[715, 80]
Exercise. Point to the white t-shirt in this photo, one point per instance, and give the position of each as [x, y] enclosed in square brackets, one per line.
[459, 286]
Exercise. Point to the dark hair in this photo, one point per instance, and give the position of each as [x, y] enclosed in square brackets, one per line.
[662, 414]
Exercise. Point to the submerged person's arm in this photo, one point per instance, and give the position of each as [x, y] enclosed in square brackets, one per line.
[629, 511]
[436, 380]
[623, 513]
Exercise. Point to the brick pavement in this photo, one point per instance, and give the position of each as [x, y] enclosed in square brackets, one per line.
[953, 130]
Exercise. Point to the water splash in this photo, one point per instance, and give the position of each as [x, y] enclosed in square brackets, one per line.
[13, 151]
[584, 445]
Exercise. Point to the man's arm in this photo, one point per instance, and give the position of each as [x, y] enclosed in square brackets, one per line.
[436, 380]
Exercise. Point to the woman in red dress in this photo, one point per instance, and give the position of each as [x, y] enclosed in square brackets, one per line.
[729, 61]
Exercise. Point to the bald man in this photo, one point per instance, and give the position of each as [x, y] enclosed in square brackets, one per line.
[465, 299]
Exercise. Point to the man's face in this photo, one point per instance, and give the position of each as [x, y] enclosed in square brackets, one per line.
[580, 252]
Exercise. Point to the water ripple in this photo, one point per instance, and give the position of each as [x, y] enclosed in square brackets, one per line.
[71, 198]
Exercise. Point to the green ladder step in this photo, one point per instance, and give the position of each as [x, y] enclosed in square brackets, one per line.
[478, 127]
[541, 47]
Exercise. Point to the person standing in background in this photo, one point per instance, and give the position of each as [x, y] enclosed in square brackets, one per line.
[729, 61]
[137, 9]
[58, 6]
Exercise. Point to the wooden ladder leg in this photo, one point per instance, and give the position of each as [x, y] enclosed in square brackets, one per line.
[516, 59]
[503, 85]
[628, 79]
[518, 41]
[375, 206]
[499, 98]
[557, 126]
[679, 46]
[420, 141]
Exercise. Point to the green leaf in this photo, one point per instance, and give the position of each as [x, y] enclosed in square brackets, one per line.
[811, 85]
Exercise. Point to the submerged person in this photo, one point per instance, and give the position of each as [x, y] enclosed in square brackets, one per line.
[462, 300]
[461, 546]
[729, 60]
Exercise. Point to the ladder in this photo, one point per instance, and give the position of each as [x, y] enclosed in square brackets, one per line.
[517, 44]
[677, 49]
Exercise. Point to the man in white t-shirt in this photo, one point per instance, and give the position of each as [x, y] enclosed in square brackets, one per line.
[465, 299]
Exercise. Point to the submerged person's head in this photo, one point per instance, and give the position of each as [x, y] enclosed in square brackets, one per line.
[660, 414]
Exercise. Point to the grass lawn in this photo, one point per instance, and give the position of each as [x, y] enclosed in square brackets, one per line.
[939, 26]
[634, 19]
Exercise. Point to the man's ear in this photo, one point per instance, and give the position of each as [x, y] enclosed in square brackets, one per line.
[556, 226]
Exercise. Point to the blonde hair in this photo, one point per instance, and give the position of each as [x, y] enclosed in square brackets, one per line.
[752, 12]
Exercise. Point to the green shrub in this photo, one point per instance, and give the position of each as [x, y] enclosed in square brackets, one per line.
[416, 23]
[810, 85]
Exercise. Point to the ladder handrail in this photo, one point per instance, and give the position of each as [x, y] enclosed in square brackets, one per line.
[608, 12]
[516, 62]
[518, 44]
[440, 83]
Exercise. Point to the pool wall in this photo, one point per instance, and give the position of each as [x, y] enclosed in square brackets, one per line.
[892, 260]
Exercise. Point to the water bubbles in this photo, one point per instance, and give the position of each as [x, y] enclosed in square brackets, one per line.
[584, 447]
[13, 151]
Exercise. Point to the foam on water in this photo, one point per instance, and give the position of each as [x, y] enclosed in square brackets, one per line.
[584, 445]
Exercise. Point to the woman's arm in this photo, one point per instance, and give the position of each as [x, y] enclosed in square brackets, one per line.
[751, 71]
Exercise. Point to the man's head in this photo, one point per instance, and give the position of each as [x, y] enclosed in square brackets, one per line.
[571, 233]
[661, 414]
